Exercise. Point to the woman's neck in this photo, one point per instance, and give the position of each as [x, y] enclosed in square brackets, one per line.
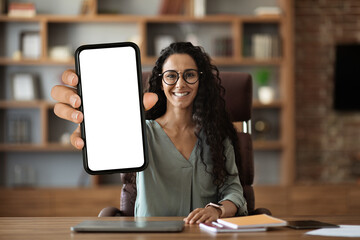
[177, 119]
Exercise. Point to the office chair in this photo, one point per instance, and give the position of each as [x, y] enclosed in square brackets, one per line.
[238, 98]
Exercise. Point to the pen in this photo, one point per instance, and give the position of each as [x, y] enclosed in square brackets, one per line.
[217, 224]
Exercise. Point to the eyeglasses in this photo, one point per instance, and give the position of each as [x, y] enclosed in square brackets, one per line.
[170, 77]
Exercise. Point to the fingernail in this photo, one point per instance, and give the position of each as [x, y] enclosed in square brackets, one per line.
[71, 79]
[75, 115]
[78, 144]
[73, 100]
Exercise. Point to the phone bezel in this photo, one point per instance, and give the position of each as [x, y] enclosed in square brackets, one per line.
[142, 113]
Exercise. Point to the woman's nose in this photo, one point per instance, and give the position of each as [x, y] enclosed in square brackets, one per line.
[181, 82]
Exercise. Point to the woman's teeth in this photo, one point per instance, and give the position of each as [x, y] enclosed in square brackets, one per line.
[181, 94]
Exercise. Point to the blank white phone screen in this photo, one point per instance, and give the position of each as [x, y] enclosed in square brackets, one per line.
[111, 107]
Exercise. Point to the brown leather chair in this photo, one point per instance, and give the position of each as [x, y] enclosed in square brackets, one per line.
[238, 98]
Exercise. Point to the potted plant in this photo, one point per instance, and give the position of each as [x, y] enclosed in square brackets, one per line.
[265, 92]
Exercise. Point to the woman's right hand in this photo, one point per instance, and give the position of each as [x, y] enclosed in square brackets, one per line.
[69, 102]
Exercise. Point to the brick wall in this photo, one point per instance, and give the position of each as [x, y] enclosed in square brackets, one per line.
[327, 141]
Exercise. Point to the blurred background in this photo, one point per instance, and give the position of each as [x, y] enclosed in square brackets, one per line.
[302, 55]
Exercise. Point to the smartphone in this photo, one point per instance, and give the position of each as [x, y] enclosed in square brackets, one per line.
[309, 224]
[110, 88]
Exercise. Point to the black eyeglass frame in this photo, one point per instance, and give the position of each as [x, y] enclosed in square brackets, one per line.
[178, 76]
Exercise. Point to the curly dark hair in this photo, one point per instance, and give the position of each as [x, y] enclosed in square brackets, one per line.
[209, 113]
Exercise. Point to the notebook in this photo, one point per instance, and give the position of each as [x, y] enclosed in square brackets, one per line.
[261, 220]
[219, 228]
[129, 226]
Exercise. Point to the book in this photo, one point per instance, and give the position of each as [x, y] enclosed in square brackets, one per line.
[18, 130]
[219, 228]
[199, 8]
[261, 220]
[223, 47]
[21, 10]
[164, 7]
[171, 7]
[262, 11]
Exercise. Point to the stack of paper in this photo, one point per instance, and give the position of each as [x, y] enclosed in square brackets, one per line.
[267, 11]
[253, 223]
[342, 231]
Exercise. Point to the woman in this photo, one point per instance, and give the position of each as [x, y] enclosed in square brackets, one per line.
[192, 142]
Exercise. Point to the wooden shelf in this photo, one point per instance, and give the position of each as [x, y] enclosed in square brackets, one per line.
[297, 200]
[53, 27]
[57, 201]
[28, 147]
[27, 104]
[5, 18]
[263, 19]
[257, 62]
[35, 62]
[275, 104]
[267, 145]
[149, 19]
[228, 61]
[223, 61]
[93, 18]
[49, 104]
[23, 104]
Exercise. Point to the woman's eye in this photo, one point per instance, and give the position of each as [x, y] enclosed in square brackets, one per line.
[190, 75]
[171, 76]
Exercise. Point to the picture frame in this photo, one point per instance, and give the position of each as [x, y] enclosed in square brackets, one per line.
[30, 44]
[2, 6]
[24, 87]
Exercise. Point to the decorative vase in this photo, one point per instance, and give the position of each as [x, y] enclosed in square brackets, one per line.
[266, 94]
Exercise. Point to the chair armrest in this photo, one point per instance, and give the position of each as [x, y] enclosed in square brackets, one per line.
[127, 199]
[260, 211]
[110, 212]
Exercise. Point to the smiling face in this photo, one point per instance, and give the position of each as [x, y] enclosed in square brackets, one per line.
[180, 95]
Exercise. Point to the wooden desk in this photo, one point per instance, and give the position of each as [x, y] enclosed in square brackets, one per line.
[54, 228]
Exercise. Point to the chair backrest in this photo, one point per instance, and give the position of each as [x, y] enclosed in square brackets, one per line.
[238, 99]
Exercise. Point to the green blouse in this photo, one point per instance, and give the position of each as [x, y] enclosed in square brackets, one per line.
[171, 185]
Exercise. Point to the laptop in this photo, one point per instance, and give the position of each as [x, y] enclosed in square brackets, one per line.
[128, 226]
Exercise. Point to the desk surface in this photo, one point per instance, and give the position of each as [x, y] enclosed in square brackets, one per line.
[59, 228]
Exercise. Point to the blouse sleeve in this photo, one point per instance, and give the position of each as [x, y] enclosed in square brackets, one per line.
[232, 189]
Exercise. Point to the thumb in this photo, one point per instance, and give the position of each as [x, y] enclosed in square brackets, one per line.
[149, 100]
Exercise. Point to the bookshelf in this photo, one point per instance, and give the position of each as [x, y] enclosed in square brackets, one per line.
[65, 27]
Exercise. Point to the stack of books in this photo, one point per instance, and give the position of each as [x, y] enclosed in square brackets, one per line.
[223, 47]
[21, 10]
[18, 130]
[265, 46]
[255, 223]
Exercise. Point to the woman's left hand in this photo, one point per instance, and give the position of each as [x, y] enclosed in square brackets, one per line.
[201, 215]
